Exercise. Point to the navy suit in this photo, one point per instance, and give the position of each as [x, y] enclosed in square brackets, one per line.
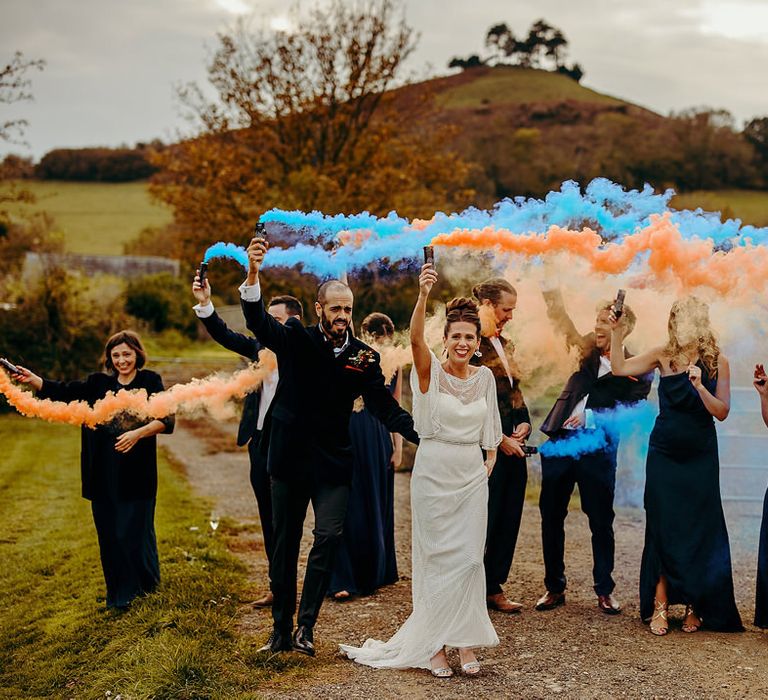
[508, 481]
[595, 472]
[309, 452]
[248, 432]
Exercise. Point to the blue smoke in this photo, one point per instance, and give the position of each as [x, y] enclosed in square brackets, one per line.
[624, 422]
[603, 206]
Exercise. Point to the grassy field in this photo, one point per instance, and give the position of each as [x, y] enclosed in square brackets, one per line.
[59, 641]
[518, 85]
[97, 217]
[750, 207]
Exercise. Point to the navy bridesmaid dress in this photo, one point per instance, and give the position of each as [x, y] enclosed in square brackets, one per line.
[366, 556]
[761, 600]
[686, 538]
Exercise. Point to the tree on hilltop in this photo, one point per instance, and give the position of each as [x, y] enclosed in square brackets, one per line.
[543, 47]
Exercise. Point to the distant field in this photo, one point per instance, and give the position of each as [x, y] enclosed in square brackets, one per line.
[98, 217]
[517, 85]
[750, 207]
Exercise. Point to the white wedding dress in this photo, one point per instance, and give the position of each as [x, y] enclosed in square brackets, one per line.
[449, 510]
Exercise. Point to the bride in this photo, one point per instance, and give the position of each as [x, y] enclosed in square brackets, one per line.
[455, 412]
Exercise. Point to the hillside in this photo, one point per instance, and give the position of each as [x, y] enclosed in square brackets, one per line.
[96, 217]
[528, 130]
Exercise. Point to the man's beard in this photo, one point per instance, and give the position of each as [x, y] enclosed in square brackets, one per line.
[337, 335]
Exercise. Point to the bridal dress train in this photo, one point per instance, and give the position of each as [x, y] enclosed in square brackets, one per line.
[449, 506]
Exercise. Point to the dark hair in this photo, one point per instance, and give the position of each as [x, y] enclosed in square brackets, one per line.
[461, 309]
[324, 288]
[492, 289]
[292, 305]
[133, 341]
[378, 325]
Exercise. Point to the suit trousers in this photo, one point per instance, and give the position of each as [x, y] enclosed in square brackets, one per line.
[290, 500]
[595, 474]
[262, 489]
[506, 496]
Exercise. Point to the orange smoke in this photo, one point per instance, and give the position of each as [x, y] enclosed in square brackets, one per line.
[671, 258]
[211, 393]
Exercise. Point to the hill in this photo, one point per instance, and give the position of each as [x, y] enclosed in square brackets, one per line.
[528, 130]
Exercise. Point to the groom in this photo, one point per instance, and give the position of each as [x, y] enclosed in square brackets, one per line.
[323, 369]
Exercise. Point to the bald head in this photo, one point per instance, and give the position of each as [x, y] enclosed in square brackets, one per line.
[332, 288]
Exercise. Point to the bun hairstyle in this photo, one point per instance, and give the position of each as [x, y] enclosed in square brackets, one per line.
[378, 325]
[492, 289]
[461, 309]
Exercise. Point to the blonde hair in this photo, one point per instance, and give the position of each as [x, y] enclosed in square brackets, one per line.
[696, 312]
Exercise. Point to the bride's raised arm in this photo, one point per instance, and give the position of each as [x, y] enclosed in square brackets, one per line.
[421, 356]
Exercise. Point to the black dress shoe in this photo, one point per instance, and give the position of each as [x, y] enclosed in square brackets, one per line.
[550, 601]
[277, 642]
[302, 641]
[608, 604]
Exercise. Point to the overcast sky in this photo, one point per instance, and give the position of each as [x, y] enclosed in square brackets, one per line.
[112, 64]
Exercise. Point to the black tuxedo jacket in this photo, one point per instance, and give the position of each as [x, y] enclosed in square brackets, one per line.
[247, 347]
[308, 420]
[604, 392]
[512, 406]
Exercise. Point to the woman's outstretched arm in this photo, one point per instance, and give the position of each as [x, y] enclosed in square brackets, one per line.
[421, 357]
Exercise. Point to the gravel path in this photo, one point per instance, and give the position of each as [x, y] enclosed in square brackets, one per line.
[572, 652]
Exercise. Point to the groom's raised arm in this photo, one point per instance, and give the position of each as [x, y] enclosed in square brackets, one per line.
[270, 332]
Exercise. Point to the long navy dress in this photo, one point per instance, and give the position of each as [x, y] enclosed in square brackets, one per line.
[761, 599]
[685, 534]
[366, 556]
[122, 487]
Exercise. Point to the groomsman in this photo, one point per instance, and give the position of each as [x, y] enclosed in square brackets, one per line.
[256, 403]
[590, 388]
[506, 486]
[323, 369]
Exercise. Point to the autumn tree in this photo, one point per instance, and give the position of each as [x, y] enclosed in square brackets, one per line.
[308, 119]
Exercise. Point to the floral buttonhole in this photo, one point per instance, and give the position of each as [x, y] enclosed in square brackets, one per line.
[360, 360]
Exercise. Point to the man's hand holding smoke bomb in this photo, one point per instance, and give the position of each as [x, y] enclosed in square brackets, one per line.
[257, 249]
[577, 421]
[511, 446]
[201, 293]
[761, 380]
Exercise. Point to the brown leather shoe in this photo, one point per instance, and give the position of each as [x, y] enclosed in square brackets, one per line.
[608, 604]
[550, 601]
[500, 602]
[264, 602]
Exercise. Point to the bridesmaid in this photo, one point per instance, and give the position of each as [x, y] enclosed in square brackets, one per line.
[118, 463]
[761, 597]
[366, 557]
[687, 557]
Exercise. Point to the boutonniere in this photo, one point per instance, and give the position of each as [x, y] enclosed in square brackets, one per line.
[360, 360]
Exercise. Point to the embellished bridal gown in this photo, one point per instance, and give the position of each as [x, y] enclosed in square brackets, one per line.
[449, 506]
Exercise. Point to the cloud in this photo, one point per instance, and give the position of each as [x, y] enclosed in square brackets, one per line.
[112, 65]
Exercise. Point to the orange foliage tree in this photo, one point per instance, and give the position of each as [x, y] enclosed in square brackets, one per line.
[308, 119]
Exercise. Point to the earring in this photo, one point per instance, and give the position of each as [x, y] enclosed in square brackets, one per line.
[478, 353]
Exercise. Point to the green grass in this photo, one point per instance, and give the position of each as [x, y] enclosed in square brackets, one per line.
[58, 640]
[96, 217]
[749, 206]
[516, 86]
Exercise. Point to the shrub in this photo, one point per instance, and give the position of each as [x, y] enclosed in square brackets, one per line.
[163, 301]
